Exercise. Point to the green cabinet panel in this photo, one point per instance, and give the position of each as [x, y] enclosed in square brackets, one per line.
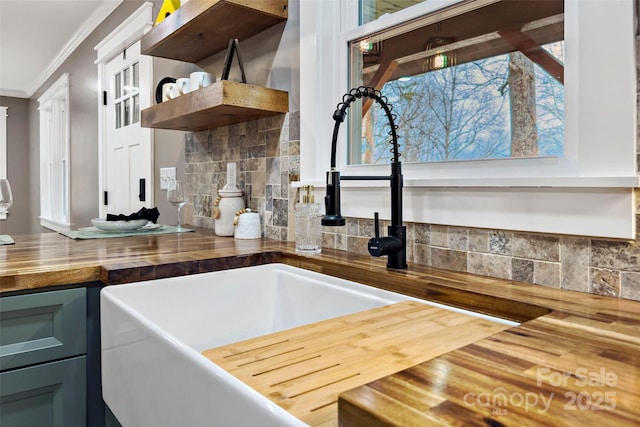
[50, 358]
[110, 420]
[39, 327]
[50, 394]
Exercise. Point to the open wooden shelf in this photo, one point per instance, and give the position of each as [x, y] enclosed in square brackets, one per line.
[221, 104]
[201, 28]
[198, 30]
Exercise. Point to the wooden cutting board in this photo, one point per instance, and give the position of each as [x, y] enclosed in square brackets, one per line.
[304, 369]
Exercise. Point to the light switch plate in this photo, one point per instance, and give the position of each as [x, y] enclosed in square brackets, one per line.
[166, 176]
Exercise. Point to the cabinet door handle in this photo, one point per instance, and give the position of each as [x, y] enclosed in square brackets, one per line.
[142, 192]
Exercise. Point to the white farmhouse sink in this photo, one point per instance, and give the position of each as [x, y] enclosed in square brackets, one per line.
[153, 333]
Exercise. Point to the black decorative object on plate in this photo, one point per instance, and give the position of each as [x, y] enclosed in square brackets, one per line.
[159, 88]
[144, 213]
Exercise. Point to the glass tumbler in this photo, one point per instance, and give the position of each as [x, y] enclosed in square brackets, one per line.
[6, 198]
[308, 228]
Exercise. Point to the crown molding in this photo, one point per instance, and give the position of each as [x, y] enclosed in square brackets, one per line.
[96, 18]
[14, 93]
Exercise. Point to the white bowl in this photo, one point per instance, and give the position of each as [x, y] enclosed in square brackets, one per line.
[130, 225]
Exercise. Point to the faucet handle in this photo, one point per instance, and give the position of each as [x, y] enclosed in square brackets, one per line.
[376, 225]
[379, 246]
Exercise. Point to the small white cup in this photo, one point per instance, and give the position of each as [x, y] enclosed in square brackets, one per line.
[200, 79]
[183, 85]
[248, 226]
[169, 91]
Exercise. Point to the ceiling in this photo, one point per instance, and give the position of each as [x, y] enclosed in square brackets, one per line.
[36, 36]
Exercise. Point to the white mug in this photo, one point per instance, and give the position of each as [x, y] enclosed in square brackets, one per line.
[200, 79]
[169, 91]
[183, 85]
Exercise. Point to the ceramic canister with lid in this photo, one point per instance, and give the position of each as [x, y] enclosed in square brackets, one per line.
[229, 202]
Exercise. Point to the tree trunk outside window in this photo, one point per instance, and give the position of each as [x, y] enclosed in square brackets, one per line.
[522, 96]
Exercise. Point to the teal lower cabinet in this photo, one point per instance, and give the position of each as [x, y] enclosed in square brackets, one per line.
[50, 358]
[49, 394]
[110, 420]
[42, 326]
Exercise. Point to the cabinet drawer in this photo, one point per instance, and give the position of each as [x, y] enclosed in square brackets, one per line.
[48, 395]
[40, 327]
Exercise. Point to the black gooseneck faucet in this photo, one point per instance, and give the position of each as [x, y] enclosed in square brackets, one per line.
[394, 246]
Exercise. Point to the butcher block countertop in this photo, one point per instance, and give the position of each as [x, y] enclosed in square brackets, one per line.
[574, 360]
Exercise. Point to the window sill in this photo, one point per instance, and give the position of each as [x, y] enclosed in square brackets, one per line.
[54, 225]
[588, 206]
[554, 182]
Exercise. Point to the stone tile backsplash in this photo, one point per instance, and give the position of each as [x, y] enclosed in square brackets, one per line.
[267, 153]
[267, 161]
[603, 267]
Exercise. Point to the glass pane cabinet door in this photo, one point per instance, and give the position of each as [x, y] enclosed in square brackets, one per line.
[126, 92]
[127, 164]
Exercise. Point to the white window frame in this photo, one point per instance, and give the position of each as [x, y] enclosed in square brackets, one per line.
[587, 192]
[3, 142]
[3, 150]
[54, 109]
